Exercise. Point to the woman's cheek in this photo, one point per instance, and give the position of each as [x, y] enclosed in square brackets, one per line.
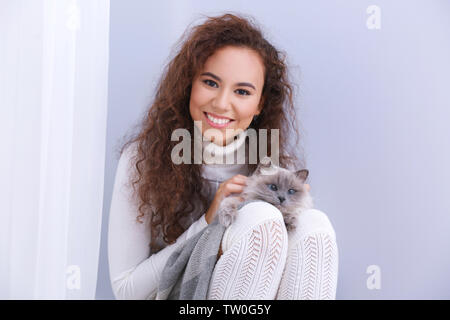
[196, 102]
[247, 113]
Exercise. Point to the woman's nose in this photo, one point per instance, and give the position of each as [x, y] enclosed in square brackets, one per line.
[222, 101]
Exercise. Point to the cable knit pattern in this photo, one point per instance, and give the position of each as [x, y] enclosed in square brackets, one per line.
[223, 271]
[250, 263]
[274, 251]
[253, 261]
[312, 264]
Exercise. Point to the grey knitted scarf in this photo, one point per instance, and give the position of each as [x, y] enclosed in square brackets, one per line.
[188, 270]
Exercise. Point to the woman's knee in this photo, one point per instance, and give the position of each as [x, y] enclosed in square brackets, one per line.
[251, 217]
[313, 221]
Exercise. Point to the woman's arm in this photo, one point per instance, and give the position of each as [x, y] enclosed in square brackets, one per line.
[133, 274]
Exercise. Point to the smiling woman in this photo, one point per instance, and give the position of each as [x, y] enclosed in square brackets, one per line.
[225, 81]
[221, 99]
[203, 82]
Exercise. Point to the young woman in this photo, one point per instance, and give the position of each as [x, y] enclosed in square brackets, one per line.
[225, 79]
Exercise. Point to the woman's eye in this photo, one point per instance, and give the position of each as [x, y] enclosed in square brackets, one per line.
[241, 92]
[210, 81]
[245, 92]
[273, 187]
[292, 191]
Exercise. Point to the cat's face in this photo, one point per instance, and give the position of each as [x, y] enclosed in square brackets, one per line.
[278, 186]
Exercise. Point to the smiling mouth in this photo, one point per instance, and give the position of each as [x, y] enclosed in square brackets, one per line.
[217, 121]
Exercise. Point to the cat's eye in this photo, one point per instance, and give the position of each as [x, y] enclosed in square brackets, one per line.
[273, 187]
[292, 191]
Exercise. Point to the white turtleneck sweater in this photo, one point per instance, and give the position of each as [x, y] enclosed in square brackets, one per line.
[133, 271]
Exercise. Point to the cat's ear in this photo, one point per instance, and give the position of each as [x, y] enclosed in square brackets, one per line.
[302, 174]
[264, 164]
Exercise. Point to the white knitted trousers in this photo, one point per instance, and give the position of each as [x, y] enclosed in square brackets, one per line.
[261, 260]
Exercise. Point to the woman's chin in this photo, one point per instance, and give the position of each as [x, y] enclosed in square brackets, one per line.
[220, 140]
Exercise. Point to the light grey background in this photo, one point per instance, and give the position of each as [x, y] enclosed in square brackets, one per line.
[374, 109]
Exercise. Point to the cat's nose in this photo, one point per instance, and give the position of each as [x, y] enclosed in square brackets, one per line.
[281, 199]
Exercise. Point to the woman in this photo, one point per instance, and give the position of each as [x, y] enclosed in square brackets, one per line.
[225, 80]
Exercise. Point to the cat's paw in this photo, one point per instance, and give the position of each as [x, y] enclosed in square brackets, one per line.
[227, 215]
[290, 222]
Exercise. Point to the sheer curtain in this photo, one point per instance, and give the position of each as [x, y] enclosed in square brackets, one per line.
[53, 106]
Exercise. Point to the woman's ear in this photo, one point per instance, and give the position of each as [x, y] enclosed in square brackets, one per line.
[261, 105]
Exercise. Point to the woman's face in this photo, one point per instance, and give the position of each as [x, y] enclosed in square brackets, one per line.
[226, 93]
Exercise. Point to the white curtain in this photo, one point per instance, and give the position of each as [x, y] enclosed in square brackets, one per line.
[53, 102]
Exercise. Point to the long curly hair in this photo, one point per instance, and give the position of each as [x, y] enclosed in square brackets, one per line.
[167, 191]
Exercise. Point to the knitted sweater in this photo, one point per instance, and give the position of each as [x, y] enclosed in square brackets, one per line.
[311, 268]
[134, 271]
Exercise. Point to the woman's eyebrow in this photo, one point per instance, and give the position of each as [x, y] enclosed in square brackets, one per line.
[212, 75]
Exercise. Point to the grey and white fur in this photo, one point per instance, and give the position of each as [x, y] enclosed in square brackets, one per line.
[278, 186]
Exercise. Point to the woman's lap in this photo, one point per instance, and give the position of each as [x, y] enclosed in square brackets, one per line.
[256, 250]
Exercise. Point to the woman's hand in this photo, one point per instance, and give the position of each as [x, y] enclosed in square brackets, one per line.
[307, 187]
[233, 185]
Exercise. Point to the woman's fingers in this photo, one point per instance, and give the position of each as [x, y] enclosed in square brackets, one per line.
[235, 184]
[230, 188]
[239, 179]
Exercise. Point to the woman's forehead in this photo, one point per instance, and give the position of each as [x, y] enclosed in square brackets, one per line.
[234, 65]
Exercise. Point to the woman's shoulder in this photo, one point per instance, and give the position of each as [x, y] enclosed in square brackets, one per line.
[127, 157]
[126, 170]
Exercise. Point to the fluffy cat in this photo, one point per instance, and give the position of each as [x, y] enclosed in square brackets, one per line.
[278, 186]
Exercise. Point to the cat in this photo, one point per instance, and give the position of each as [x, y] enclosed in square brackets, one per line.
[278, 186]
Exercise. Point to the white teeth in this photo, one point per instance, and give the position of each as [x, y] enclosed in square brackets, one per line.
[217, 121]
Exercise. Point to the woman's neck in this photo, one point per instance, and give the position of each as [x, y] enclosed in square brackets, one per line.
[212, 152]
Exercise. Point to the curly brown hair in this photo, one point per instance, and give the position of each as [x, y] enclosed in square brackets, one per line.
[161, 186]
